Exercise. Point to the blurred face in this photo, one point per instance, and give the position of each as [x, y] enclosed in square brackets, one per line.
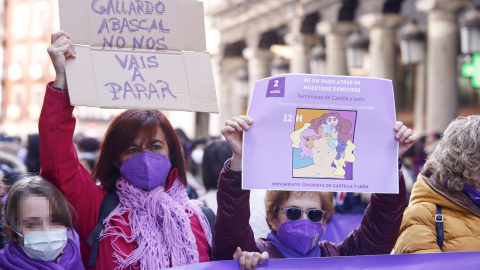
[158, 146]
[332, 121]
[302, 199]
[323, 155]
[36, 215]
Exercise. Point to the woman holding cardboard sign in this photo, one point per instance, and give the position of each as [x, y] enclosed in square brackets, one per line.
[297, 219]
[140, 216]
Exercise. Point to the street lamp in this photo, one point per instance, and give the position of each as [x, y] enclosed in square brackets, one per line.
[357, 46]
[279, 66]
[317, 59]
[470, 31]
[412, 44]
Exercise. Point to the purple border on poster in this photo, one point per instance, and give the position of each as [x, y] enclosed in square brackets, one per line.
[331, 133]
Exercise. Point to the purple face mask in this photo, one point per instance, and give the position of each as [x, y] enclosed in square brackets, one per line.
[300, 235]
[146, 170]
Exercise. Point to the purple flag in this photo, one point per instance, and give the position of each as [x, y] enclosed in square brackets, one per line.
[431, 261]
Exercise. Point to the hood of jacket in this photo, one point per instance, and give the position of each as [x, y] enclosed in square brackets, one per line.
[427, 190]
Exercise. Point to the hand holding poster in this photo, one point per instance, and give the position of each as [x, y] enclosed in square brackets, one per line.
[313, 132]
[139, 54]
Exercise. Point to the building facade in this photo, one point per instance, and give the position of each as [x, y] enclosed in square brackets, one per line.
[260, 38]
[27, 68]
[254, 39]
[28, 25]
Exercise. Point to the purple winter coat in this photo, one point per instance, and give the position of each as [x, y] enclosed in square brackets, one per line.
[376, 234]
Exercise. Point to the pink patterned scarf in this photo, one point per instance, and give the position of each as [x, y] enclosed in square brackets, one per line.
[160, 226]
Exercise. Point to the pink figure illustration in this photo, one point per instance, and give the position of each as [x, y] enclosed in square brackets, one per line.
[306, 142]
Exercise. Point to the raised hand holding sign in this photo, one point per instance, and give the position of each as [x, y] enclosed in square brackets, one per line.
[139, 54]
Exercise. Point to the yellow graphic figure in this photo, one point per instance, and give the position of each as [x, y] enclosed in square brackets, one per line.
[339, 171]
[323, 156]
[349, 152]
[348, 156]
[295, 136]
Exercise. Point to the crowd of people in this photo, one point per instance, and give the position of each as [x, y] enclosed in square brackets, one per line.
[145, 196]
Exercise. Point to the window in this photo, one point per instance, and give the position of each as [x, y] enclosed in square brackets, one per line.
[17, 99]
[21, 21]
[55, 22]
[37, 92]
[19, 61]
[468, 95]
[92, 113]
[40, 19]
[39, 59]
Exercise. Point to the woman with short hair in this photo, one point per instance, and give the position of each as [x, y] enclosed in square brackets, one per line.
[297, 219]
[444, 210]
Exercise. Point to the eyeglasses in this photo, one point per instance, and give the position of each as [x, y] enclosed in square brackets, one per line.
[295, 213]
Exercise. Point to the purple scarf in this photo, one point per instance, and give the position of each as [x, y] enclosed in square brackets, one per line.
[289, 253]
[472, 193]
[13, 257]
[160, 226]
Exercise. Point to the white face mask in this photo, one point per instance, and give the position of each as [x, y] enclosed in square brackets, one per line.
[197, 156]
[44, 245]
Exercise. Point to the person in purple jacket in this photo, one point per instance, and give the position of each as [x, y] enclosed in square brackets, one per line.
[297, 219]
[37, 218]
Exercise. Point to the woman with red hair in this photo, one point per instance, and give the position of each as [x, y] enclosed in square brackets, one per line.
[154, 225]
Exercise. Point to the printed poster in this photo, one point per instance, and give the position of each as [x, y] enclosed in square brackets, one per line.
[314, 132]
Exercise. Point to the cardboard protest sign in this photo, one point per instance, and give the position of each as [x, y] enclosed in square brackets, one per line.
[139, 54]
[313, 132]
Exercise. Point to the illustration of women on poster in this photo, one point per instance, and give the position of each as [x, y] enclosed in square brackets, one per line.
[323, 147]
